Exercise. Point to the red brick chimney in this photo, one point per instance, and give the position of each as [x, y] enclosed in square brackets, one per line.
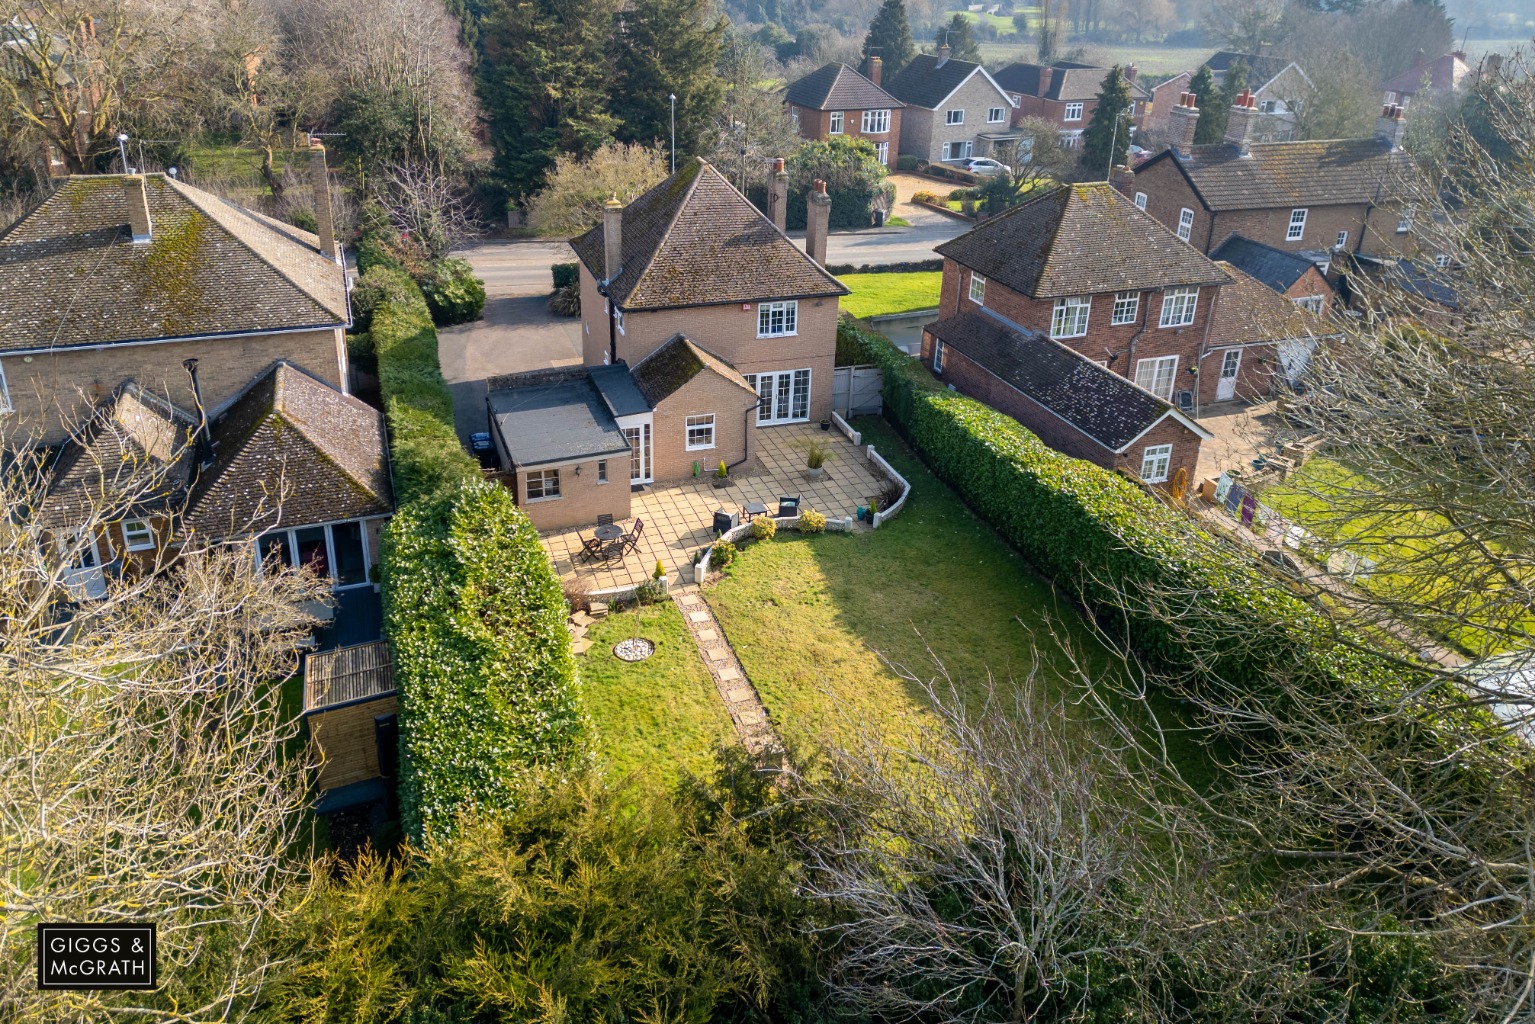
[817, 221]
[1239, 123]
[1391, 125]
[1123, 180]
[876, 69]
[778, 195]
[1130, 71]
[943, 55]
[1046, 76]
[1183, 119]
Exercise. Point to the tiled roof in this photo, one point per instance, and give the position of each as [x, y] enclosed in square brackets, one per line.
[1080, 240]
[71, 275]
[1070, 81]
[693, 240]
[838, 87]
[1249, 311]
[1442, 74]
[560, 421]
[134, 439]
[1290, 174]
[1097, 401]
[926, 83]
[291, 439]
[660, 374]
[1274, 267]
[1261, 70]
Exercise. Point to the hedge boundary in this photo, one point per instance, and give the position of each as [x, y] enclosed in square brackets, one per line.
[473, 610]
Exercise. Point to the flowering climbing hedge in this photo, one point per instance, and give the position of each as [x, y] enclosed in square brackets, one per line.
[472, 607]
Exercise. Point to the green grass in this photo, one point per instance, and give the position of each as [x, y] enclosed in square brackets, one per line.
[658, 717]
[819, 621]
[878, 294]
[1003, 23]
[897, 222]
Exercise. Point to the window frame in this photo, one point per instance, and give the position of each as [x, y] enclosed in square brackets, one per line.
[544, 477]
[1068, 305]
[789, 321]
[1443, 260]
[835, 126]
[977, 290]
[1140, 200]
[5, 393]
[882, 152]
[1185, 224]
[1127, 308]
[1312, 303]
[953, 117]
[1080, 108]
[1154, 365]
[1151, 455]
[1173, 299]
[1404, 221]
[1295, 230]
[937, 355]
[1001, 113]
[699, 421]
[874, 124]
[1342, 240]
[147, 544]
[602, 471]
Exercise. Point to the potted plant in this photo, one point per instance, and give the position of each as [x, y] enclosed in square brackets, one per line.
[721, 476]
[826, 424]
[815, 461]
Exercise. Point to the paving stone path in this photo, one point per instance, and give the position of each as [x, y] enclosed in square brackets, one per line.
[740, 697]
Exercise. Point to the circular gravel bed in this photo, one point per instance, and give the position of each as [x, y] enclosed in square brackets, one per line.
[634, 649]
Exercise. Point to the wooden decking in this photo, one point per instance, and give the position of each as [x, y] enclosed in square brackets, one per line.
[347, 674]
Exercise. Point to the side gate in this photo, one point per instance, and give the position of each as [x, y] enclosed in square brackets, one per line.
[856, 391]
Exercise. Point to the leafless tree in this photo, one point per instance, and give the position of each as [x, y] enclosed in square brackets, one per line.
[429, 207]
[1243, 25]
[143, 769]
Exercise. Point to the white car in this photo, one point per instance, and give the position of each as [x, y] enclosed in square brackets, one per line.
[984, 167]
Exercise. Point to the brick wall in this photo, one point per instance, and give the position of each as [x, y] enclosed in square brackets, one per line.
[734, 427]
[582, 498]
[1255, 373]
[816, 124]
[51, 392]
[1185, 451]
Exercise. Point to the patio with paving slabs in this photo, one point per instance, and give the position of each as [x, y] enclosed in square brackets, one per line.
[679, 515]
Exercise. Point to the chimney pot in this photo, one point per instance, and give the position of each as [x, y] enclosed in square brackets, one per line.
[1184, 118]
[612, 237]
[138, 207]
[1391, 126]
[1239, 123]
[324, 216]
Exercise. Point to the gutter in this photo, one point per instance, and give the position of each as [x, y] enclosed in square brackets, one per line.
[128, 343]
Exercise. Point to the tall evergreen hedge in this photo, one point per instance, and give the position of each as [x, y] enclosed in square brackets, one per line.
[472, 607]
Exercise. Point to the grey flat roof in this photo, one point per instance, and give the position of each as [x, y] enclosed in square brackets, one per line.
[618, 389]
[555, 423]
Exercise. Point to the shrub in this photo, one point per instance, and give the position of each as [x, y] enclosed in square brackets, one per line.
[815, 458]
[764, 528]
[565, 274]
[811, 521]
[909, 267]
[723, 472]
[924, 197]
[360, 354]
[476, 620]
[724, 553]
[453, 293]
[566, 301]
[906, 162]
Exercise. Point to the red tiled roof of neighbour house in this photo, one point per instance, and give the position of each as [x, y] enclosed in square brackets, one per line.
[693, 240]
[291, 440]
[1249, 311]
[1080, 240]
[836, 86]
[660, 374]
[1277, 175]
[70, 274]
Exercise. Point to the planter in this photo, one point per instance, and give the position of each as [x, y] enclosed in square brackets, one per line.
[815, 474]
[826, 424]
[720, 481]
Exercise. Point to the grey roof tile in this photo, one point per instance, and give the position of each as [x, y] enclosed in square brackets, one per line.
[836, 86]
[660, 374]
[1274, 267]
[1290, 174]
[926, 83]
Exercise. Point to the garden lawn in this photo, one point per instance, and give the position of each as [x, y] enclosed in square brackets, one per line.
[659, 717]
[815, 618]
[878, 294]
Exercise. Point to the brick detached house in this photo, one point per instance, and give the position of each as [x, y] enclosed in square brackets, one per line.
[1314, 197]
[701, 324]
[834, 99]
[1064, 93]
[1260, 342]
[1441, 76]
[1289, 274]
[122, 277]
[954, 109]
[1162, 98]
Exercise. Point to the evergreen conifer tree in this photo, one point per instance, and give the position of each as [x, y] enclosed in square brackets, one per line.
[667, 47]
[1215, 109]
[961, 39]
[889, 39]
[1106, 141]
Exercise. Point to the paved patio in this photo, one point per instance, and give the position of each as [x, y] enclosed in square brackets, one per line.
[679, 515]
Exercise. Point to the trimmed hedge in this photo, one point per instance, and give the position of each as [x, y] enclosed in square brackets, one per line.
[453, 293]
[565, 274]
[910, 267]
[473, 609]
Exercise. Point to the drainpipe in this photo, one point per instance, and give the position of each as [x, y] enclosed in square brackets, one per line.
[1204, 345]
[750, 427]
[1136, 337]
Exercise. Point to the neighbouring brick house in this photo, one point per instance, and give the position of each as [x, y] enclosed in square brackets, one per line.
[1277, 85]
[1163, 97]
[1064, 93]
[1260, 342]
[954, 109]
[1315, 197]
[118, 277]
[1292, 275]
[1441, 76]
[834, 99]
[701, 324]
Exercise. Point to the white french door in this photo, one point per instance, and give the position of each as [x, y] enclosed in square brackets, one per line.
[83, 576]
[1226, 385]
[639, 453]
[783, 396]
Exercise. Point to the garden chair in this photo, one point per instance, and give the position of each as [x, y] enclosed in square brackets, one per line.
[632, 538]
[604, 519]
[591, 548]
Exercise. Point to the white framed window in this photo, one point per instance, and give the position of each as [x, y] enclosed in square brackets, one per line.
[1069, 320]
[1342, 240]
[700, 431]
[543, 484]
[1178, 305]
[1266, 106]
[937, 356]
[1157, 375]
[602, 471]
[957, 150]
[996, 115]
[1140, 200]
[1073, 112]
[5, 394]
[977, 289]
[1127, 306]
[1442, 261]
[1404, 223]
[794, 116]
[882, 152]
[336, 551]
[954, 117]
[1155, 462]
[138, 535]
[1311, 302]
[836, 123]
[1185, 223]
[777, 319]
[618, 321]
[1297, 226]
[876, 122]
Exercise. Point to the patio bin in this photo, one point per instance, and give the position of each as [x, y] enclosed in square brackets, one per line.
[724, 521]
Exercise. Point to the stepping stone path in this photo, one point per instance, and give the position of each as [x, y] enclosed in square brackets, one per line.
[740, 697]
[577, 625]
